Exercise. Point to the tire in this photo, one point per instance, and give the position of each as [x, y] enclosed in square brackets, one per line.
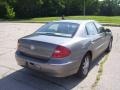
[84, 67]
[109, 46]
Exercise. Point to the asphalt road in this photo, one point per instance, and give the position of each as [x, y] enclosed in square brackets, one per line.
[104, 73]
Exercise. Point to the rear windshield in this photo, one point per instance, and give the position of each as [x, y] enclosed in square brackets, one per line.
[63, 29]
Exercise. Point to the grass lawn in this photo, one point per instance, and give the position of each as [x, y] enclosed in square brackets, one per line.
[102, 19]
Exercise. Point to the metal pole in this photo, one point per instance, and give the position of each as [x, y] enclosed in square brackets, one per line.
[84, 8]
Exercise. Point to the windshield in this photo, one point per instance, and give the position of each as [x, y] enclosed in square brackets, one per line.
[64, 29]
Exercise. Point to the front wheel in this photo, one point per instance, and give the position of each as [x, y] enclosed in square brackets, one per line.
[85, 66]
[109, 46]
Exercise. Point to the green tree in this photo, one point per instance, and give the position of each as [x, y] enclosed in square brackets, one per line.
[38, 8]
[76, 7]
[73, 7]
[92, 7]
[116, 7]
[110, 7]
[3, 11]
[27, 8]
[52, 7]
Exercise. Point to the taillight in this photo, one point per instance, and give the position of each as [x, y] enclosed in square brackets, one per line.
[61, 52]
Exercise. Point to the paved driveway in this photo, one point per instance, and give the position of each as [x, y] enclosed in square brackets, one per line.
[104, 74]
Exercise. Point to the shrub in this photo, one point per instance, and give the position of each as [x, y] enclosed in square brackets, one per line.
[6, 11]
[10, 12]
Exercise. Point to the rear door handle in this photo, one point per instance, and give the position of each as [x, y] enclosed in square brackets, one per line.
[93, 41]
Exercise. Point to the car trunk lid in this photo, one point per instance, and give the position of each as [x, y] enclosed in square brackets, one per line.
[40, 46]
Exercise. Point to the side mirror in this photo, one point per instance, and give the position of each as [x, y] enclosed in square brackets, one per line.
[107, 30]
[102, 29]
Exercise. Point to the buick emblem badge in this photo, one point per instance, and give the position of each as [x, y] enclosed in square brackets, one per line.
[32, 47]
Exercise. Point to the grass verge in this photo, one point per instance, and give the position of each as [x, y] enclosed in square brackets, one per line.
[102, 19]
[100, 72]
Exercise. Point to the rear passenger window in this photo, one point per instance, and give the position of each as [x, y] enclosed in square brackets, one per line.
[91, 29]
[99, 27]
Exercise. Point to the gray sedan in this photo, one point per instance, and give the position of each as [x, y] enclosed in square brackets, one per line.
[63, 48]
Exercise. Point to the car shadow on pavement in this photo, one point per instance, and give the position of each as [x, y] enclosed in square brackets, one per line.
[97, 60]
[25, 79]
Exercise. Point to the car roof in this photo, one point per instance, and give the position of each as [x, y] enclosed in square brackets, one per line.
[76, 21]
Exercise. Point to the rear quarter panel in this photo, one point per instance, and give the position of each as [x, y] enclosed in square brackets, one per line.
[79, 47]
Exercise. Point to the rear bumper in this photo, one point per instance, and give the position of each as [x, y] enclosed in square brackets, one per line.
[56, 69]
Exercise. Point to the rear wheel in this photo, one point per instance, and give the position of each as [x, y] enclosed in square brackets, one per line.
[85, 66]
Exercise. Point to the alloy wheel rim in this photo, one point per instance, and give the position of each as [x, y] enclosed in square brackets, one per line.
[86, 65]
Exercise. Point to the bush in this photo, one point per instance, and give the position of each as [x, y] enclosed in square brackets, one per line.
[6, 11]
[10, 12]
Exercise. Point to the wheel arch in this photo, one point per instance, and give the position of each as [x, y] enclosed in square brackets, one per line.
[90, 53]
